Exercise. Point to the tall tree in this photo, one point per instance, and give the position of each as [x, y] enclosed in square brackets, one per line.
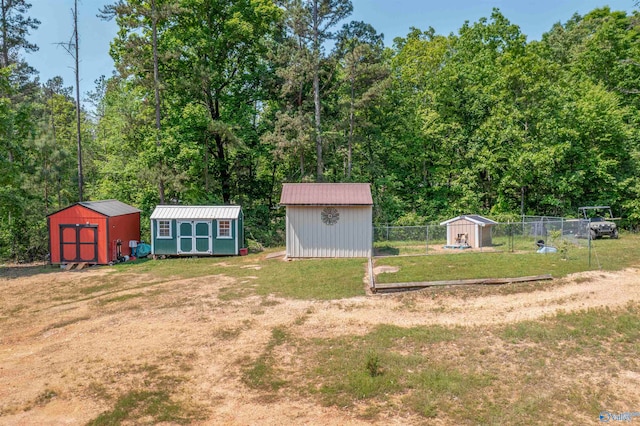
[222, 45]
[14, 29]
[311, 22]
[325, 14]
[360, 47]
[141, 22]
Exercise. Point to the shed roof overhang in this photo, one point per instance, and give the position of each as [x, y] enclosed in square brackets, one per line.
[473, 218]
[196, 212]
[109, 208]
[326, 194]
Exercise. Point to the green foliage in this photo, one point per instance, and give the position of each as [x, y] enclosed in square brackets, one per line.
[562, 244]
[252, 95]
[411, 219]
[373, 365]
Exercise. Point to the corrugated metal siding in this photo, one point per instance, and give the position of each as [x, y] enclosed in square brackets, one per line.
[196, 212]
[308, 236]
[326, 194]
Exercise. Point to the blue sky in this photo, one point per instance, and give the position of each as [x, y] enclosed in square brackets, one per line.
[393, 18]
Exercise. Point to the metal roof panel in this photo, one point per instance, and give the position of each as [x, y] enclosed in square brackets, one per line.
[314, 194]
[196, 212]
[109, 207]
[474, 218]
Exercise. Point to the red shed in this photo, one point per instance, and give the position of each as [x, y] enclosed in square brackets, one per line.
[89, 231]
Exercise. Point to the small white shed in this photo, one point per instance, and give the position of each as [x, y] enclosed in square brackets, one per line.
[470, 230]
[328, 219]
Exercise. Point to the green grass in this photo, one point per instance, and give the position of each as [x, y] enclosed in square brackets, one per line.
[395, 248]
[587, 327]
[605, 254]
[391, 361]
[121, 298]
[99, 288]
[152, 402]
[138, 404]
[70, 321]
[416, 247]
[323, 279]
[477, 265]
[467, 375]
[263, 372]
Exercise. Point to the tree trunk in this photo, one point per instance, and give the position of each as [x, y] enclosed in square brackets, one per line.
[5, 43]
[156, 90]
[351, 129]
[206, 167]
[5, 56]
[222, 168]
[77, 70]
[316, 92]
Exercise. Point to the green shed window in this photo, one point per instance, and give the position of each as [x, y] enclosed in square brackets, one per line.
[224, 229]
[164, 229]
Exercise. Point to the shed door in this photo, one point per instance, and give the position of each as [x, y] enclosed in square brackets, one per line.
[79, 243]
[194, 237]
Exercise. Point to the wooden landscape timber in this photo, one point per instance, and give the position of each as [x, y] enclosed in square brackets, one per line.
[389, 287]
[76, 266]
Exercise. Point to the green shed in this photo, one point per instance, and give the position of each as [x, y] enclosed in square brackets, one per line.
[197, 231]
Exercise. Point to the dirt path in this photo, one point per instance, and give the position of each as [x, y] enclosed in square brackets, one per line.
[64, 358]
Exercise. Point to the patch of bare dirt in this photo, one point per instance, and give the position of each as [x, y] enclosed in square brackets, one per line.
[385, 269]
[70, 342]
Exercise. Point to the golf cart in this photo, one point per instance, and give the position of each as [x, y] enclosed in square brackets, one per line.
[598, 222]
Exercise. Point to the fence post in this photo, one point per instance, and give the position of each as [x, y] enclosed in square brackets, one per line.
[427, 242]
[589, 236]
[387, 232]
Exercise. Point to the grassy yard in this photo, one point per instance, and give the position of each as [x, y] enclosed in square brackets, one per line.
[521, 374]
[606, 254]
[500, 243]
[322, 279]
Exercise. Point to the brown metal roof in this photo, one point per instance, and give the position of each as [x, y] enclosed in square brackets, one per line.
[322, 194]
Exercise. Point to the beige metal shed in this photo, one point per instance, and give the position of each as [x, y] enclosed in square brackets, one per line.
[328, 219]
[469, 231]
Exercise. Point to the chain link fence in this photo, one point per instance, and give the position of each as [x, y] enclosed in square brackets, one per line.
[532, 233]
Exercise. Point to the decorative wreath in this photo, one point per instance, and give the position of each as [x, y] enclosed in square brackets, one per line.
[330, 216]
